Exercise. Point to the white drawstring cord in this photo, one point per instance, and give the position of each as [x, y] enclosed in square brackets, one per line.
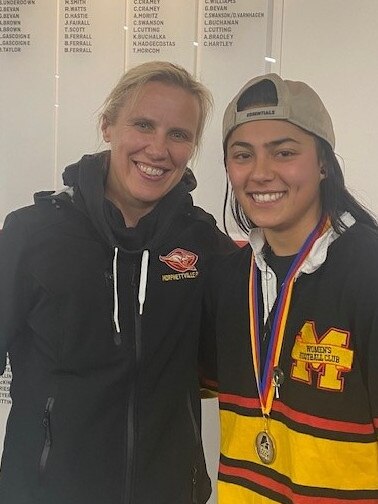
[115, 290]
[143, 280]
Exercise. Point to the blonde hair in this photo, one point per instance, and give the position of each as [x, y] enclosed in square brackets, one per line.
[131, 83]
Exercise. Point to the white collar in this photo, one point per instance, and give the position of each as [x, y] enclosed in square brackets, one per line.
[317, 254]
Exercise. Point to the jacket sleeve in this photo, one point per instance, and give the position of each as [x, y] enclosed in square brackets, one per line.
[371, 365]
[221, 245]
[12, 283]
[364, 313]
[208, 340]
[373, 387]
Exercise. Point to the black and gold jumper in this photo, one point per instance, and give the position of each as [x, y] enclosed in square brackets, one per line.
[324, 420]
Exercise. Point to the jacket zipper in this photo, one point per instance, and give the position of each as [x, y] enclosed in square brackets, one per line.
[198, 441]
[46, 422]
[132, 403]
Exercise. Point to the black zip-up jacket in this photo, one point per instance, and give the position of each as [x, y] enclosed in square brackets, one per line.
[106, 406]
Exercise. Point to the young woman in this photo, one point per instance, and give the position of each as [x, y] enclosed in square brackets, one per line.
[100, 296]
[295, 311]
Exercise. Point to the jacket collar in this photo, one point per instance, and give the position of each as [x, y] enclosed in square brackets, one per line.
[315, 258]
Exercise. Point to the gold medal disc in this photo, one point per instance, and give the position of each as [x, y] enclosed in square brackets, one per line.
[265, 447]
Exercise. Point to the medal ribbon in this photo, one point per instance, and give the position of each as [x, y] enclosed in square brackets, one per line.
[264, 382]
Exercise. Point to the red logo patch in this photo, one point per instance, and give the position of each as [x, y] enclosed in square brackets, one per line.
[180, 260]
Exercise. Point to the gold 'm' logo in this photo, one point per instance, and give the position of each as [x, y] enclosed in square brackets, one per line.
[327, 355]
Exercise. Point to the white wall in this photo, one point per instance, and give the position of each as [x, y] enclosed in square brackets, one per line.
[331, 44]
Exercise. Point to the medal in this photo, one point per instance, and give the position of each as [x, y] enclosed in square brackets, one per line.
[270, 377]
[265, 447]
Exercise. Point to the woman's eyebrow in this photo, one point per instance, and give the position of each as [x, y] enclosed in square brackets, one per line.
[247, 145]
[272, 143]
[279, 141]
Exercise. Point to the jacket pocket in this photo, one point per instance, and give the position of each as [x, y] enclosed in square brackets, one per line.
[198, 446]
[46, 423]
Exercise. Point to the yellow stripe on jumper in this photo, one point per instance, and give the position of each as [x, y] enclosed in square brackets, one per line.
[228, 493]
[304, 459]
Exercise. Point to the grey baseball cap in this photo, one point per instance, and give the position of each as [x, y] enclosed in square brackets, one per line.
[297, 103]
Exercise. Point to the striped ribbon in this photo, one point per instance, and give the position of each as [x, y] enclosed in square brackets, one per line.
[264, 380]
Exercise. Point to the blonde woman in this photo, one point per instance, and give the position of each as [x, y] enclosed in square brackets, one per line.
[100, 292]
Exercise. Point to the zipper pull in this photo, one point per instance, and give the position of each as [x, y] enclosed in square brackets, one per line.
[46, 420]
[48, 437]
[194, 486]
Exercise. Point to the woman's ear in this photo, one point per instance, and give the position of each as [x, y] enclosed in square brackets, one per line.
[105, 127]
[323, 173]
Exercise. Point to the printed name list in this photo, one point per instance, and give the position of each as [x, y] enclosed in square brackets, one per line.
[13, 38]
[223, 20]
[149, 36]
[77, 27]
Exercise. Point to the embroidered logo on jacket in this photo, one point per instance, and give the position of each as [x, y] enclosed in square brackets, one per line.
[183, 262]
[327, 355]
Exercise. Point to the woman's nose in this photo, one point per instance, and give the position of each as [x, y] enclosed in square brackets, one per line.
[157, 147]
[261, 169]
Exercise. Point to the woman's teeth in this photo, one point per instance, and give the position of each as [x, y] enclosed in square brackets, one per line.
[150, 170]
[267, 197]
